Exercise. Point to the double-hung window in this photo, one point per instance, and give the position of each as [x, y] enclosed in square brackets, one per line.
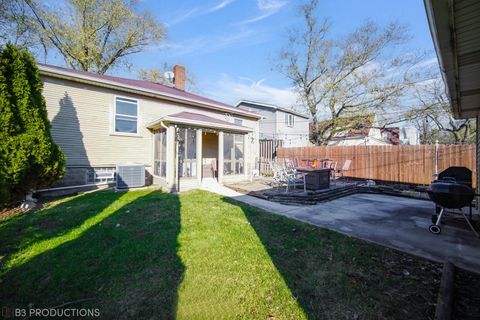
[126, 115]
[289, 120]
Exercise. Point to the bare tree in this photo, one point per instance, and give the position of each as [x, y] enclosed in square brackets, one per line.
[15, 24]
[153, 75]
[92, 35]
[434, 119]
[342, 80]
[158, 75]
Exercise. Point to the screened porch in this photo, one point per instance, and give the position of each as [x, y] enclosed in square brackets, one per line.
[187, 151]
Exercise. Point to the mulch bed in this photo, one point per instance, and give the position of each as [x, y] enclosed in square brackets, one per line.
[10, 212]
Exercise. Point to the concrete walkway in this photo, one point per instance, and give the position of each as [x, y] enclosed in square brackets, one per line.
[399, 223]
[270, 206]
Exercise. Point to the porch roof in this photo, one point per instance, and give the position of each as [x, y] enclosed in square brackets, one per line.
[198, 120]
[454, 26]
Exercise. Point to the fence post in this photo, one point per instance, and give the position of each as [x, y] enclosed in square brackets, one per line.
[436, 159]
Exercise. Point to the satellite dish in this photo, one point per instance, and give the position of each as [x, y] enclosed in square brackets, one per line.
[169, 75]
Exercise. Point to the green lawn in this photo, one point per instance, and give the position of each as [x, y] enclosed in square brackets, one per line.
[152, 255]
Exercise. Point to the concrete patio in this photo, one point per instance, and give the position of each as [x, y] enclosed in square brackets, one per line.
[396, 222]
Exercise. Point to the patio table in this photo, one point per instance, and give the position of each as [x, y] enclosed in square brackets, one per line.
[316, 178]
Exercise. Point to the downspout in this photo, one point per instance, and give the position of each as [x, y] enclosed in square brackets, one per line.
[163, 125]
[478, 161]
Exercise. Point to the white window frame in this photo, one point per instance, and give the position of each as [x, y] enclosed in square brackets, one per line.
[289, 120]
[242, 160]
[114, 122]
[238, 122]
[154, 154]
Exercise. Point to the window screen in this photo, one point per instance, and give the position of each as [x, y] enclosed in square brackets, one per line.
[126, 115]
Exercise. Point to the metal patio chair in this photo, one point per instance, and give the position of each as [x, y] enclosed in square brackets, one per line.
[295, 178]
[278, 173]
[345, 168]
[288, 177]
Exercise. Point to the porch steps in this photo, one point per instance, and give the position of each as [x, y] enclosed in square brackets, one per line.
[188, 184]
[311, 198]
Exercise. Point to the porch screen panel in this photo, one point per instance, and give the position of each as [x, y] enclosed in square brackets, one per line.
[160, 153]
[187, 152]
[233, 151]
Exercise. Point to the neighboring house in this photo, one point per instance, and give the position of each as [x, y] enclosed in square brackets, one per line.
[279, 123]
[102, 121]
[371, 133]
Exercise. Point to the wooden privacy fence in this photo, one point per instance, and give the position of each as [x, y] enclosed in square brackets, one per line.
[405, 164]
[268, 152]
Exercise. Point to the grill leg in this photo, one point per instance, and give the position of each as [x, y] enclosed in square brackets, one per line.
[439, 219]
[470, 225]
[435, 228]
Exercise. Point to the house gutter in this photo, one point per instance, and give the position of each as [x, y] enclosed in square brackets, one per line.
[441, 20]
[50, 72]
[200, 124]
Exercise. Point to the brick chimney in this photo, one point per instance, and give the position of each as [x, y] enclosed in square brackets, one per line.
[179, 77]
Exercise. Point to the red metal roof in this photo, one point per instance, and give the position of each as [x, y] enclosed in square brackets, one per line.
[152, 86]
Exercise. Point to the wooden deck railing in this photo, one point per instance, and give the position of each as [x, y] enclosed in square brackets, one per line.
[404, 164]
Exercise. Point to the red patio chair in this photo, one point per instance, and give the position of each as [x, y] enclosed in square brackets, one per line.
[289, 164]
[295, 162]
[326, 164]
[333, 167]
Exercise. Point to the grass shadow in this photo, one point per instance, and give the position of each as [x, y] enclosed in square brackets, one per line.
[55, 219]
[125, 263]
[333, 276]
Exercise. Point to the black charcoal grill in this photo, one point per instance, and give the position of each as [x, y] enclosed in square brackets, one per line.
[452, 190]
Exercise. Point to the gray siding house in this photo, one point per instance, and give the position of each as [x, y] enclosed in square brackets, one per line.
[280, 123]
[101, 121]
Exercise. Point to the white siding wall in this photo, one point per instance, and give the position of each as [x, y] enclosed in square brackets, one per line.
[296, 136]
[267, 125]
[82, 124]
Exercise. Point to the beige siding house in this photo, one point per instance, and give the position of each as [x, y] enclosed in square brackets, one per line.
[101, 121]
